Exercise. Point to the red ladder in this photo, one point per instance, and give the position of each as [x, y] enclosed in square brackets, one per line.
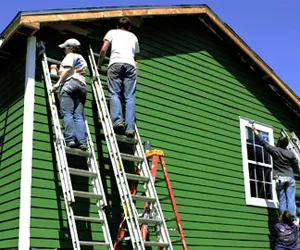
[158, 156]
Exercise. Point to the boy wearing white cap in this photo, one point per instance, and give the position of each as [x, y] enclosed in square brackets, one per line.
[72, 94]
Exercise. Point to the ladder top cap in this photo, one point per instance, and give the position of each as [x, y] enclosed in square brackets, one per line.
[154, 152]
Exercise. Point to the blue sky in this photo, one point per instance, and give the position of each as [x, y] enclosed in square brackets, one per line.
[269, 27]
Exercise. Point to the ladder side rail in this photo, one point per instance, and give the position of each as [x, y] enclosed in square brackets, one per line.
[61, 157]
[119, 173]
[151, 191]
[98, 188]
[123, 225]
[296, 139]
[127, 202]
[296, 142]
[98, 185]
[173, 202]
[292, 146]
[147, 206]
[59, 140]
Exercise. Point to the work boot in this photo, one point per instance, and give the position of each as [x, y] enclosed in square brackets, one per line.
[83, 147]
[71, 144]
[130, 133]
[119, 129]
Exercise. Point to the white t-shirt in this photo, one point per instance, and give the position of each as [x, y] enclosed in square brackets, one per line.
[124, 45]
[78, 64]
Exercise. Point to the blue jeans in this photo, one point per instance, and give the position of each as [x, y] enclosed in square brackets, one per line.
[286, 191]
[72, 100]
[122, 84]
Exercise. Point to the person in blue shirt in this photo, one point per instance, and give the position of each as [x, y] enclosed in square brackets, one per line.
[286, 231]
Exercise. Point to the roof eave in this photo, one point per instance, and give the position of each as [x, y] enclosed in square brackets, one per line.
[33, 21]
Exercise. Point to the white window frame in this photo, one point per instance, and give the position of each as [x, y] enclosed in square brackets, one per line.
[253, 201]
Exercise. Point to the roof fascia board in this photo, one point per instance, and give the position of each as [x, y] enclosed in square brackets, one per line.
[108, 14]
[11, 28]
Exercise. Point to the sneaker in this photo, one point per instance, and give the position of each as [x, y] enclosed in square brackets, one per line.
[130, 133]
[83, 147]
[119, 129]
[71, 144]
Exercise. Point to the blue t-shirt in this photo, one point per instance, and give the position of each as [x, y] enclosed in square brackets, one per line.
[286, 236]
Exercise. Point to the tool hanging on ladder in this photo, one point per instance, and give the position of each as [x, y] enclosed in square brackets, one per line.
[65, 172]
[118, 159]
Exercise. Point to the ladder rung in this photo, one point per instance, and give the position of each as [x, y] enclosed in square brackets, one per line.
[80, 172]
[54, 76]
[124, 138]
[142, 198]
[136, 177]
[93, 243]
[149, 221]
[133, 158]
[87, 195]
[91, 219]
[78, 152]
[51, 60]
[155, 244]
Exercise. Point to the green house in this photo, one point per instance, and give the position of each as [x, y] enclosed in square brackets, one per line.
[199, 87]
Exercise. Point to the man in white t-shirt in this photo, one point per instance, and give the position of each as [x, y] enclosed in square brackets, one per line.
[121, 75]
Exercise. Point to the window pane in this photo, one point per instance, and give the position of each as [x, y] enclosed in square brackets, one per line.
[261, 190]
[269, 191]
[265, 136]
[259, 153]
[250, 152]
[249, 134]
[259, 173]
[251, 171]
[253, 188]
[268, 172]
[267, 157]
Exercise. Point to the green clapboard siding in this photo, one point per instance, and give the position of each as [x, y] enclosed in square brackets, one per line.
[11, 118]
[191, 92]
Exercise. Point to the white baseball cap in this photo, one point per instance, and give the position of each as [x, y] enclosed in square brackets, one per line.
[70, 43]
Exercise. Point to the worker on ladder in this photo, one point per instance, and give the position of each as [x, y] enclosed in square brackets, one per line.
[72, 86]
[121, 75]
[284, 164]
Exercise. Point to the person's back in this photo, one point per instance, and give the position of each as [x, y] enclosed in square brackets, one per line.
[124, 45]
[284, 160]
[78, 65]
[286, 232]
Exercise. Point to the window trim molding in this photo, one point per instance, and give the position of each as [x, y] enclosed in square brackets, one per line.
[259, 202]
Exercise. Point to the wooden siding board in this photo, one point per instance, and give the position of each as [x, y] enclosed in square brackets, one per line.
[12, 77]
[189, 99]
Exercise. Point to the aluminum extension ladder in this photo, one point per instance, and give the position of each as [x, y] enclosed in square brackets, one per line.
[65, 172]
[157, 156]
[294, 144]
[118, 160]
